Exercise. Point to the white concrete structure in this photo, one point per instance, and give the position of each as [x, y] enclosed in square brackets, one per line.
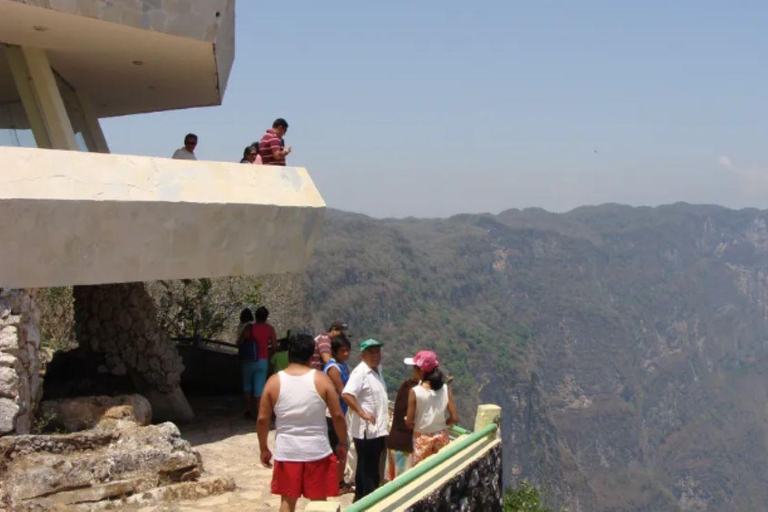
[84, 218]
[70, 216]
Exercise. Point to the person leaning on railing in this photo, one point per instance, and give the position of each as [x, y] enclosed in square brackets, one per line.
[430, 406]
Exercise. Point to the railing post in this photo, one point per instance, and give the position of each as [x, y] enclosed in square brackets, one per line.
[487, 414]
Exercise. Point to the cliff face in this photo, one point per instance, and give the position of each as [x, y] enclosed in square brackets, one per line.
[626, 346]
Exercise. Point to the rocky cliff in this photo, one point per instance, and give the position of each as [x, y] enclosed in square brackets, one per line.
[626, 346]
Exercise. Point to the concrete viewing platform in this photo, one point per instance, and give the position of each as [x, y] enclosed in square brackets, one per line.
[74, 218]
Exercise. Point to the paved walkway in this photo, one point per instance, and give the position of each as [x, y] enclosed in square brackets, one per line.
[229, 447]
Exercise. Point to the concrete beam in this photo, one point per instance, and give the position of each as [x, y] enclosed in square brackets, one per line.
[71, 218]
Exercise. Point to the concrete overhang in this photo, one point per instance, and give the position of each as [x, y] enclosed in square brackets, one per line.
[71, 218]
[128, 56]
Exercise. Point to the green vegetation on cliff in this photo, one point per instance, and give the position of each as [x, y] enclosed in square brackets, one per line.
[626, 346]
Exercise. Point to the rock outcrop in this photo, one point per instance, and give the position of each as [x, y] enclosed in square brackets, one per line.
[117, 459]
[82, 413]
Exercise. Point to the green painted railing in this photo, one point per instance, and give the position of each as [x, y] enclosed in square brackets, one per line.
[422, 468]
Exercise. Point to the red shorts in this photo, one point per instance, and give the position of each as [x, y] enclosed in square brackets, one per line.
[316, 480]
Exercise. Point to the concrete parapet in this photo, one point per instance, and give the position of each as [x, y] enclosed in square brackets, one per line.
[87, 218]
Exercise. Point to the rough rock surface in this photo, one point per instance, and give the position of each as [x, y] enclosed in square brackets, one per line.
[118, 458]
[20, 382]
[478, 487]
[75, 414]
[119, 320]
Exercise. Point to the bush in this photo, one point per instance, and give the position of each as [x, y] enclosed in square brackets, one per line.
[526, 498]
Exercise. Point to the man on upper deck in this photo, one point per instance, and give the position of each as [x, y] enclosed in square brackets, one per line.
[270, 147]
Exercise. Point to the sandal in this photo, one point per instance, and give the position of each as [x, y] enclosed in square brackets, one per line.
[345, 489]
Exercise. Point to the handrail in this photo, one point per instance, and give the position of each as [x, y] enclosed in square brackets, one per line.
[420, 469]
[458, 430]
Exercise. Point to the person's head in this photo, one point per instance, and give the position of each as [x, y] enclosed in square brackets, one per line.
[246, 316]
[340, 348]
[190, 142]
[370, 352]
[337, 328]
[423, 363]
[250, 153]
[301, 348]
[280, 126]
[262, 314]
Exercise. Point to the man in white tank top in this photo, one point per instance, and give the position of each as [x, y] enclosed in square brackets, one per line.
[304, 462]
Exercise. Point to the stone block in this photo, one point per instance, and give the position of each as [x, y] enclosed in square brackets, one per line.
[9, 382]
[81, 413]
[8, 412]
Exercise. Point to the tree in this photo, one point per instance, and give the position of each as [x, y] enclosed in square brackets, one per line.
[203, 307]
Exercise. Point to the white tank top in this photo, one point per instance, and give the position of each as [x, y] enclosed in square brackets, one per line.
[302, 432]
[431, 407]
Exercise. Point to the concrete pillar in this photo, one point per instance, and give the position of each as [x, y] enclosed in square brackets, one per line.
[97, 142]
[41, 97]
[487, 414]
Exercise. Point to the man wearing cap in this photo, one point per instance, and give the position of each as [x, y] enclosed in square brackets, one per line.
[323, 345]
[366, 395]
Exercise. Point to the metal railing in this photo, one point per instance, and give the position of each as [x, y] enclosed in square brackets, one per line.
[423, 468]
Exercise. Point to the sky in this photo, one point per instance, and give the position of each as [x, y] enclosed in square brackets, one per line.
[431, 109]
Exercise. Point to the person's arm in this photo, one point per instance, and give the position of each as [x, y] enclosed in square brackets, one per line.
[241, 335]
[411, 414]
[331, 398]
[453, 416]
[335, 375]
[272, 346]
[355, 407]
[279, 152]
[266, 406]
[324, 348]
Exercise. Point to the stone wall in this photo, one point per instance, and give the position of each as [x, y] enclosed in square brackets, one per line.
[119, 320]
[20, 382]
[477, 487]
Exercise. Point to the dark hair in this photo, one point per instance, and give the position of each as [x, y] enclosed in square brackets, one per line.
[189, 136]
[301, 348]
[262, 314]
[246, 316]
[280, 123]
[255, 146]
[338, 343]
[250, 150]
[435, 378]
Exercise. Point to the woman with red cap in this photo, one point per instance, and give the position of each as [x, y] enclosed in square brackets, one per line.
[430, 406]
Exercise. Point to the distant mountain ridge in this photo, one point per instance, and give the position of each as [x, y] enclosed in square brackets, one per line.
[626, 346]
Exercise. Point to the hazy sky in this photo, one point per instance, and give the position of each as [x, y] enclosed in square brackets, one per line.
[434, 108]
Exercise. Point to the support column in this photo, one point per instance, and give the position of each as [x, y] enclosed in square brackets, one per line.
[97, 142]
[41, 97]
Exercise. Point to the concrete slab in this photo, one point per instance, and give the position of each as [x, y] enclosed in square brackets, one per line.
[69, 218]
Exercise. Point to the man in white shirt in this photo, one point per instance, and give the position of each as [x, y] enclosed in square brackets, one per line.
[188, 151]
[366, 395]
